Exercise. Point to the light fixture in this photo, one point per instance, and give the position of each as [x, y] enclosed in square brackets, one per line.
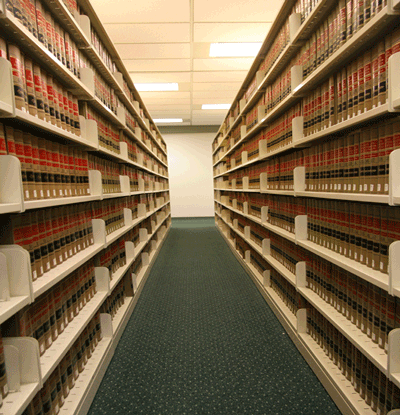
[215, 106]
[157, 87]
[167, 120]
[234, 50]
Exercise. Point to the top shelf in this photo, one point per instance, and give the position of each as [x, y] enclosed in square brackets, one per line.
[28, 42]
[360, 41]
[69, 22]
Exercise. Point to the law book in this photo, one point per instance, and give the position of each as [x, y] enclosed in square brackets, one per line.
[345, 105]
[368, 80]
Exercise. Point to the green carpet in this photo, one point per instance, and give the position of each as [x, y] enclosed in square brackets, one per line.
[202, 340]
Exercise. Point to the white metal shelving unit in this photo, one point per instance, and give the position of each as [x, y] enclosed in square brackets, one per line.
[16, 287]
[229, 176]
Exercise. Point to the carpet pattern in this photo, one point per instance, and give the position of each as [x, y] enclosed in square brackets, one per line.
[202, 340]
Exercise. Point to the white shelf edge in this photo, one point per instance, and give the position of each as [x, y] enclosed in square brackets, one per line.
[49, 279]
[65, 340]
[348, 329]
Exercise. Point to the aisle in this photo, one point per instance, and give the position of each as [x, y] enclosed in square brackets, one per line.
[203, 341]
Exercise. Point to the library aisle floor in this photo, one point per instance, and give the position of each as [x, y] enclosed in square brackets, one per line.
[202, 340]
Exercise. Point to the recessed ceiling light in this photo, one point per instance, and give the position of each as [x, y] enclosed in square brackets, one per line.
[167, 120]
[173, 86]
[215, 106]
[234, 50]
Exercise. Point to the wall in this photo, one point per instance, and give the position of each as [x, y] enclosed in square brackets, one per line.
[190, 173]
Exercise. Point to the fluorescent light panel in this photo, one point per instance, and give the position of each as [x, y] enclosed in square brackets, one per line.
[157, 87]
[234, 50]
[215, 106]
[167, 120]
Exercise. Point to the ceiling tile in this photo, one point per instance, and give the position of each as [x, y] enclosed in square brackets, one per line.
[155, 65]
[144, 77]
[170, 114]
[230, 32]
[153, 51]
[172, 107]
[216, 86]
[216, 64]
[208, 113]
[167, 101]
[149, 33]
[213, 76]
[126, 11]
[235, 11]
[166, 95]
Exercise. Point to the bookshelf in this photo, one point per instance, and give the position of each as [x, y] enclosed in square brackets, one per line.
[300, 198]
[84, 167]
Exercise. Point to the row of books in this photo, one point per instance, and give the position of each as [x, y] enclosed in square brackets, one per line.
[113, 257]
[116, 300]
[286, 291]
[358, 87]
[359, 231]
[38, 19]
[111, 211]
[51, 236]
[64, 378]
[367, 380]
[110, 173]
[108, 133]
[49, 170]
[105, 93]
[357, 162]
[53, 311]
[370, 308]
[135, 150]
[38, 93]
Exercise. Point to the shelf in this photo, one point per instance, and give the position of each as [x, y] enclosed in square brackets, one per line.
[121, 319]
[16, 402]
[53, 356]
[102, 68]
[368, 274]
[86, 385]
[44, 203]
[276, 229]
[358, 197]
[359, 339]
[272, 261]
[49, 279]
[115, 119]
[332, 379]
[140, 143]
[32, 121]
[341, 126]
[359, 41]
[12, 306]
[28, 42]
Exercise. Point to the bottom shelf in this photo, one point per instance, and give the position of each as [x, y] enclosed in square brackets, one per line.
[339, 388]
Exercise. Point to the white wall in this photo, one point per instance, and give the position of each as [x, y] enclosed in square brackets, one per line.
[190, 174]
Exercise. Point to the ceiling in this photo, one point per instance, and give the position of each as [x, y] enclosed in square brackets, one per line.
[168, 41]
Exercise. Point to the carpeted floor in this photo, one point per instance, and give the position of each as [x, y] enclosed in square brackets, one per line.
[202, 340]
